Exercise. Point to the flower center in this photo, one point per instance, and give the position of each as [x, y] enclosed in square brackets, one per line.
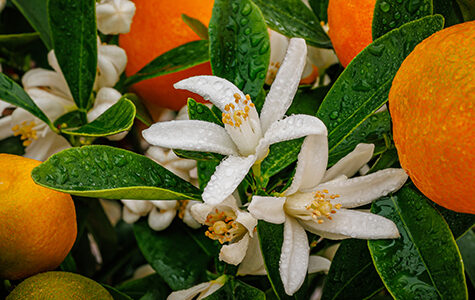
[26, 131]
[321, 206]
[242, 123]
[223, 227]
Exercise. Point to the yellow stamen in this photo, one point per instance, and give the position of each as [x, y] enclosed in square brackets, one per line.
[26, 131]
[182, 208]
[223, 227]
[322, 207]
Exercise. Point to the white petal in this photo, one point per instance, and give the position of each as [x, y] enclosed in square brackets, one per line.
[4, 105]
[191, 135]
[247, 220]
[160, 220]
[294, 257]
[285, 85]
[318, 264]
[165, 204]
[217, 90]
[41, 78]
[129, 216]
[234, 253]
[141, 207]
[278, 47]
[190, 293]
[269, 209]
[105, 98]
[5, 127]
[351, 163]
[215, 285]
[114, 17]
[201, 211]
[290, 128]
[188, 217]
[347, 223]
[111, 61]
[227, 176]
[362, 190]
[253, 262]
[321, 58]
[311, 164]
[42, 148]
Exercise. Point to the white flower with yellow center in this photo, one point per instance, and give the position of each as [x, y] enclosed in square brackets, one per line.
[162, 212]
[317, 201]
[246, 136]
[114, 16]
[229, 225]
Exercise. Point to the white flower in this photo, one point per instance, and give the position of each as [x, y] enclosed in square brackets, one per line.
[245, 137]
[201, 290]
[162, 212]
[229, 225]
[317, 200]
[317, 60]
[114, 16]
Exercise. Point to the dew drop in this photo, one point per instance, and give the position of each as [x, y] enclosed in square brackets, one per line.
[334, 115]
[384, 6]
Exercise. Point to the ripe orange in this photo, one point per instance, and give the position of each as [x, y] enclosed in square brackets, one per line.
[37, 225]
[432, 101]
[156, 28]
[350, 24]
[59, 286]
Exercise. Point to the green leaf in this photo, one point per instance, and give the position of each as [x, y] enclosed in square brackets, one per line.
[111, 173]
[371, 130]
[320, 8]
[205, 171]
[150, 285]
[199, 111]
[141, 113]
[390, 14]
[280, 156]
[74, 35]
[364, 85]
[294, 19]
[466, 245]
[118, 118]
[352, 274]
[72, 119]
[12, 145]
[459, 223]
[35, 11]
[12, 93]
[239, 44]
[199, 28]
[177, 59]
[173, 254]
[425, 262]
[236, 290]
[116, 294]
[16, 40]
[467, 8]
[307, 101]
[68, 264]
[450, 10]
[386, 160]
[271, 237]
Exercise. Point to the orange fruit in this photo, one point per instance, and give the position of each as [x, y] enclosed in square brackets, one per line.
[350, 23]
[158, 27]
[432, 101]
[59, 286]
[37, 225]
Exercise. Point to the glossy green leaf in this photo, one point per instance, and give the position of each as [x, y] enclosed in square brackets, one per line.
[364, 85]
[199, 28]
[205, 171]
[152, 285]
[307, 101]
[68, 264]
[12, 145]
[16, 40]
[271, 237]
[320, 8]
[177, 59]
[459, 223]
[425, 262]
[236, 290]
[294, 19]
[386, 160]
[118, 118]
[35, 11]
[371, 130]
[111, 173]
[466, 245]
[390, 14]
[280, 156]
[74, 35]
[173, 254]
[72, 119]
[12, 93]
[352, 274]
[239, 44]
[467, 8]
[141, 113]
[199, 111]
